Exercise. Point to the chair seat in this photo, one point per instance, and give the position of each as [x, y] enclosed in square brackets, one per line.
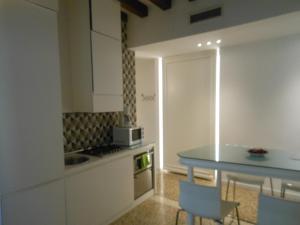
[227, 207]
[246, 179]
[291, 185]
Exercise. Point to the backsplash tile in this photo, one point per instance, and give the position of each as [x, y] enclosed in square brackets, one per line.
[82, 130]
[129, 86]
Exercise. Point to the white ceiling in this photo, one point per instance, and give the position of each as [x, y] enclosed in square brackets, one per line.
[261, 30]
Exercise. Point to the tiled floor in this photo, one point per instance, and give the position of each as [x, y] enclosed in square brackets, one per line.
[161, 209]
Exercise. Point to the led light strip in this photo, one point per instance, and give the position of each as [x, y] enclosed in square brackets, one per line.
[217, 105]
[160, 113]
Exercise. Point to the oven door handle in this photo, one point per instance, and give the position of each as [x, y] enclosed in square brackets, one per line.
[141, 155]
[142, 170]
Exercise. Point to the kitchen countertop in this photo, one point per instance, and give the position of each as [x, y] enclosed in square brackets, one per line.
[97, 161]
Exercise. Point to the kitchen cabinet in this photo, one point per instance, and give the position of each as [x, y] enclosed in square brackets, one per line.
[50, 4]
[98, 195]
[95, 60]
[43, 205]
[106, 18]
[107, 57]
[31, 142]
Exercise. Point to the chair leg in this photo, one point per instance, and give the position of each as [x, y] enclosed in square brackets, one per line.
[237, 215]
[261, 188]
[219, 222]
[234, 190]
[271, 184]
[283, 192]
[177, 215]
[227, 190]
[200, 219]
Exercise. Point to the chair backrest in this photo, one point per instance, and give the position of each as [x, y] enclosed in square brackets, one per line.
[200, 200]
[275, 211]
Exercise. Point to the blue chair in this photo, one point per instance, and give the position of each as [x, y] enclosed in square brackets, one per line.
[204, 202]
[277, 211]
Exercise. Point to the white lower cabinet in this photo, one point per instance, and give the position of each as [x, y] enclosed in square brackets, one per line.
[43, 205]
[98, 195]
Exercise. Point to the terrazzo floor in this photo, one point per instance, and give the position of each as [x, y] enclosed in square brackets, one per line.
[162, 207]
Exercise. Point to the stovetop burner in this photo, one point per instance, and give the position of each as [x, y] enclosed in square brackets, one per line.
[100, 151]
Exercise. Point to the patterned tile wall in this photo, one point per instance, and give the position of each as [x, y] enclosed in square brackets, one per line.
[82, 130]
[129, 87]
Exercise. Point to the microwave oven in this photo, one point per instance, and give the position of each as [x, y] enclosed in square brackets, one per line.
[128, 136]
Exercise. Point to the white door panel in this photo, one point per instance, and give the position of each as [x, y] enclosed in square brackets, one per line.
[188, 105]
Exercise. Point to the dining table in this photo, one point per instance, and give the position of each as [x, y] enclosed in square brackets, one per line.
[275, 163]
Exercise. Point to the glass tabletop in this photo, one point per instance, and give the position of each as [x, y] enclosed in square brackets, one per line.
[279, 159]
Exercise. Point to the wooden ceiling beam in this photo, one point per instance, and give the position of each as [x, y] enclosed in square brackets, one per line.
[135, 7]
[163, 4]
[124, 17]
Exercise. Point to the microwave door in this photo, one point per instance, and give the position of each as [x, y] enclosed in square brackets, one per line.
[136, 135]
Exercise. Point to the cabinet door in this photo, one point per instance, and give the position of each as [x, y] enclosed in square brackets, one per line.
[106, 17]
[99, 194]
[107, 73]
[107, 65]
[44, 205]
[50, 4]
[31, 142]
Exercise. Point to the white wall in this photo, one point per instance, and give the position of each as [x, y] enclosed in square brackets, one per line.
[174, 23]
[260, 94]
[147, 111]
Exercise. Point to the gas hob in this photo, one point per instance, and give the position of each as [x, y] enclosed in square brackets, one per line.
[101, 151]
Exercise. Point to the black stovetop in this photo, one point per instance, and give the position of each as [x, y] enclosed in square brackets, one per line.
[100, 151]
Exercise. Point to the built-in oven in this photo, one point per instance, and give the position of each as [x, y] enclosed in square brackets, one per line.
[143, 173]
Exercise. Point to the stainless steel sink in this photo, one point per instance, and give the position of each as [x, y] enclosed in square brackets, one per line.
[75, 160]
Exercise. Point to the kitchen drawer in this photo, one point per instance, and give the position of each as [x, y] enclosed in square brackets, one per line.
[143, 182]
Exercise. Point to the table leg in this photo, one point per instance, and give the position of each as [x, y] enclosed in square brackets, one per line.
[191, 174]
[190, 218]
[219, 186]
[219, 181]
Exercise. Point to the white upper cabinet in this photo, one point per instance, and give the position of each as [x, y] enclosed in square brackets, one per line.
[107, 65]
[31, 136]
[106, 17]
[50, 4]
[43, 205]
[95, 59]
